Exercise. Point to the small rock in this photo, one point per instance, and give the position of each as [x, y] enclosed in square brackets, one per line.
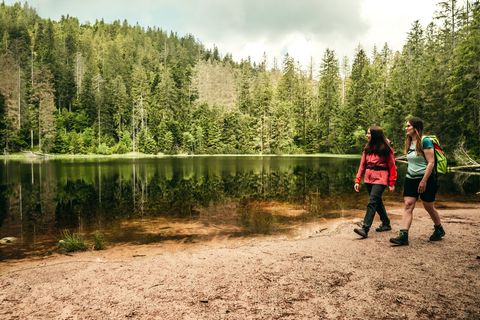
[8, 240]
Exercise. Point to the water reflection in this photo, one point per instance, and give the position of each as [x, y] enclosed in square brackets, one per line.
[180, 199]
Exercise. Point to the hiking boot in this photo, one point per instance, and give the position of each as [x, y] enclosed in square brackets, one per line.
[401, 239]
[362, 232]
[383, 227]
[438, 233]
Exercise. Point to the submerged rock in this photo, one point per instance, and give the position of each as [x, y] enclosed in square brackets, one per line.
[7, 240]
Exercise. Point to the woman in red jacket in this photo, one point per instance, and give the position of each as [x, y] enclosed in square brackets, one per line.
[378, 166]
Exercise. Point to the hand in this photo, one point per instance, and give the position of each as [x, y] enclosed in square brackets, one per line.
[391, 188]
[421, 186]
[356, 186]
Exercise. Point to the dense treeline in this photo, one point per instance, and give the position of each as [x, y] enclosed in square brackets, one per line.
[67, 87]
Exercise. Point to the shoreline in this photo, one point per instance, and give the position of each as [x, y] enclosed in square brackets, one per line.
[325, 273]
[138, 155]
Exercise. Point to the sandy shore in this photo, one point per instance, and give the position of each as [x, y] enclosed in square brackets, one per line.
[324, 274]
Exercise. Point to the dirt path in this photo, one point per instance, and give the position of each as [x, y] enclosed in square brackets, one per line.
[329, 274]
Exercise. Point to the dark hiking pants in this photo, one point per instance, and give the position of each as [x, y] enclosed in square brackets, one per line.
[375, 204]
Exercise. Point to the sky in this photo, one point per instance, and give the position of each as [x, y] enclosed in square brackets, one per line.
[249, 28]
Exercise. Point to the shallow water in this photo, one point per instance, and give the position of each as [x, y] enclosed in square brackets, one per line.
[182, 199]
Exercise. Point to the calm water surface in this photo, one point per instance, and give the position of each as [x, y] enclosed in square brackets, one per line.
[181, 199]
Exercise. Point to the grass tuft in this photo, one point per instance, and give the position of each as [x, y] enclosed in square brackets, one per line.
[98, 241]
[71, 242]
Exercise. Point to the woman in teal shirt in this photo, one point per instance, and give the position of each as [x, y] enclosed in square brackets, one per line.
[421, 181]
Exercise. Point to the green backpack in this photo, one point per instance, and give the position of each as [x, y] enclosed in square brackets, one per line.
[440, 156]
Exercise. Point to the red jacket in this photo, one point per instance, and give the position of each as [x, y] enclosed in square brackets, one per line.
[373, 161]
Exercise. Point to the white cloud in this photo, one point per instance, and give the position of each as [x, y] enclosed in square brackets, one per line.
[390, 20]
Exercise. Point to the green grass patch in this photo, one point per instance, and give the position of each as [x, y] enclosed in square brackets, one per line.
[71, 242]
[98, 241]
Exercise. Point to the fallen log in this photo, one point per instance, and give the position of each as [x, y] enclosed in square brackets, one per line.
[467, 167]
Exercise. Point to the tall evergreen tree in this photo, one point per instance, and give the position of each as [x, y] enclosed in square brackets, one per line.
[140, 97]
[262, 100]
[464, 97]
[245, 95]
[43, 101]
[352, 119]
[329, 96]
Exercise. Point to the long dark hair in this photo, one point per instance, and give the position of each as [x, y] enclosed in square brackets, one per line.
[378, 144]
[417, 124]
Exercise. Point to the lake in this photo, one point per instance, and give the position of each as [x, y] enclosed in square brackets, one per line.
[183, 199]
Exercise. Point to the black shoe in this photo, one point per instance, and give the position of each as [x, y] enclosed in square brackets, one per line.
[438, 233]
[383, 227]
[361, 232]
[401, 239]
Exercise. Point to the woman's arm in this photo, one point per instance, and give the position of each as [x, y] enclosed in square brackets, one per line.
[430, 157]
[392, 171]
[361, 170]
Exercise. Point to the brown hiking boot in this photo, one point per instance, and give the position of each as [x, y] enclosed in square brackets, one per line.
[383, 227]
[362, 232]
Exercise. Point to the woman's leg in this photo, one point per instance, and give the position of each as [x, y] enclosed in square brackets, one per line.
[428, 199]
[383, 213]
[402, 238]
[438, 232]
[374, 204]
[408, 212]
[430, 207]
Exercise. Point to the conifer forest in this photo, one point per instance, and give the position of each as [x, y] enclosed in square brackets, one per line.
[115, 88]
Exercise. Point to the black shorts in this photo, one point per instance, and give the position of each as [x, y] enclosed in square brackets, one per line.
[410, 189]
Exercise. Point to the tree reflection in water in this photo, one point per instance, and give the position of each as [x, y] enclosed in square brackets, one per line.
[180, 199]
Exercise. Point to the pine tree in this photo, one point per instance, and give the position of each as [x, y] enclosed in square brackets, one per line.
[282, 128]
[287, 90]
[86, 102]
[413, 55]
[118, 100]
[43, 100]
[163, 100]
[10, 91]
[351, 114]
[140, 96]
[464, 97]
[231, 131]
[261, 112]
[329, 96]
[374, 104]
[244, 96]
[395, 112]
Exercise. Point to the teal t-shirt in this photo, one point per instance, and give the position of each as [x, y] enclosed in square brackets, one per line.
[416, 162]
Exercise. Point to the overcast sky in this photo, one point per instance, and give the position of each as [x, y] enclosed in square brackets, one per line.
[303, 28]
